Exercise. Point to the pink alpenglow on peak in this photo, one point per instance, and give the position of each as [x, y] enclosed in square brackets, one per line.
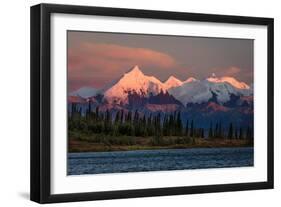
[172, 82]
[135, 71]
[133, 81]
[189, 80]
[232, 81]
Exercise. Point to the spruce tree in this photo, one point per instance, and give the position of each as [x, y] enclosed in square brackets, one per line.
[236, 133]
[171, 125]
[129, 117]
[97, 113]
[230, 131]
[202, 132]
[136, 117]
[241, 133]
[178, 125]
[89, 107]
[220, 134]
[165, 125]
[136, 123]
[144, 126]
[107, 122]
[149, 125]
[216, 130]
[249, 133]
[186, 128]
[122, 116]
[211, 135]
[117, 117]
[191, 129]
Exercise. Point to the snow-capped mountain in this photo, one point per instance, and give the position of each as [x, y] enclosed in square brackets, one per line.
[202, 91]
[172, 82]
[135, 88]
[133, 81]
[85, 92]
[230, 80]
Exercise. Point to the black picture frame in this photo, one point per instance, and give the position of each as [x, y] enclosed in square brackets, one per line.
[40, 102]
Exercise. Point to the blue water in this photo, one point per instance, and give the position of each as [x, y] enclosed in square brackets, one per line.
[158, 160]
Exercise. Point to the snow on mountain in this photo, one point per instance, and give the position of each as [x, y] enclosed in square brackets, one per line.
[191, 79]
[134, 85]
[172, 82]
[202, 91]
[230, 80]
[85, 92]
[133, 82]
[193, 92]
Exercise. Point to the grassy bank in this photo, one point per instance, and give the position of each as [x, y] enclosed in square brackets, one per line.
[101, 143]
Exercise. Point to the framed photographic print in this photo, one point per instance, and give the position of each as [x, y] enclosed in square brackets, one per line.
[132, 103]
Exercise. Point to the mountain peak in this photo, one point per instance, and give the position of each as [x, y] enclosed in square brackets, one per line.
[133, 82]
[213, 78]
[172, 81]
[226, 79]
[172, 78]
[191, 79]
[135, 71]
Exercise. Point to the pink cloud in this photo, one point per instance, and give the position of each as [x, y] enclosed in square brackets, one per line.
[91, 60]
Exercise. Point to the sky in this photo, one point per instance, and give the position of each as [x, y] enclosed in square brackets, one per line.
[95, 59]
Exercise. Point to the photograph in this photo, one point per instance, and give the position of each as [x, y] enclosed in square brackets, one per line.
[149, 102]
[133, 103]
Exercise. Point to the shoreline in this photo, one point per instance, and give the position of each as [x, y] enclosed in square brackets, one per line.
[75, 145]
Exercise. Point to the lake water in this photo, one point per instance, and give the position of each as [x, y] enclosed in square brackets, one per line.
[158, 160]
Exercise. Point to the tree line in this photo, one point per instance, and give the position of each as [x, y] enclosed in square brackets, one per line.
[130, 123]
[231, 132]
